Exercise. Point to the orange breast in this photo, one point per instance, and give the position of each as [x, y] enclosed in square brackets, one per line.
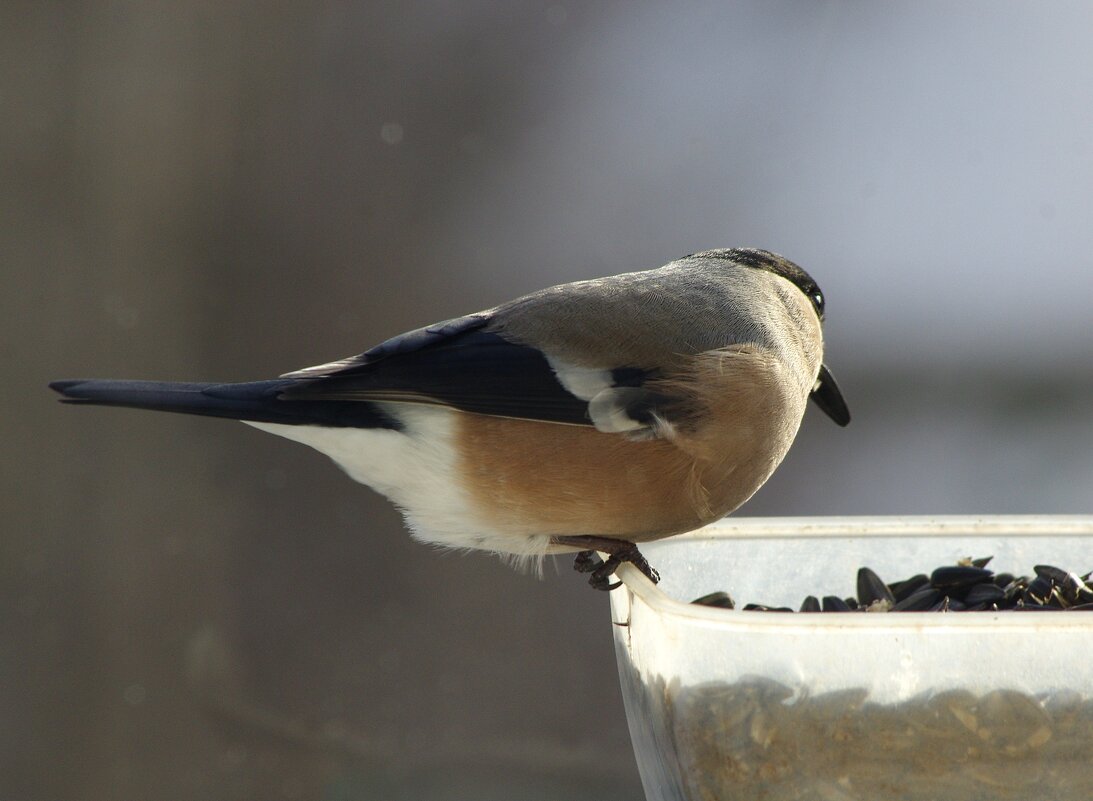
[548, 479]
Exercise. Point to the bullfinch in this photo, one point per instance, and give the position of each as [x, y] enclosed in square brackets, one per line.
[586, 417]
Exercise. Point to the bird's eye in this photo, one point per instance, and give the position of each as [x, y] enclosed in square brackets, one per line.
[818, 301]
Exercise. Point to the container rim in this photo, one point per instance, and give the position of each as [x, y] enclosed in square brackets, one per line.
[636, 585]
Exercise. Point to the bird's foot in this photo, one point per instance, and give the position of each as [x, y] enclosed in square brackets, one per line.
[618, 551]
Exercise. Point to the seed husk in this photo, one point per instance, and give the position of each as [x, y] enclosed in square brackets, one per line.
[871, 588]
[833, 603]
[953, 576]
[904, 589]
[988, 592]
[720, 599]
[811, 604]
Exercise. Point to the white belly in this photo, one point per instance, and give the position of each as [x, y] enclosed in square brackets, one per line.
[416, 469]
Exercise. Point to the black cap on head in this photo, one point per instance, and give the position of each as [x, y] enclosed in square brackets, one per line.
[773, 263]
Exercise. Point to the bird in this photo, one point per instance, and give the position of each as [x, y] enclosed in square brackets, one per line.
[586, 417]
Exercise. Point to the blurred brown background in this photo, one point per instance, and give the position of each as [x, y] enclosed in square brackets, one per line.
[226, 191]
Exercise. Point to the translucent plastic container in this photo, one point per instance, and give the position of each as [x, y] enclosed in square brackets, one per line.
[728, 704]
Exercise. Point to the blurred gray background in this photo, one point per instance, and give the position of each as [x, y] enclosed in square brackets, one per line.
[226, 191]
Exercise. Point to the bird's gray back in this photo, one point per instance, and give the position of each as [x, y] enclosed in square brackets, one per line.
[649, 318]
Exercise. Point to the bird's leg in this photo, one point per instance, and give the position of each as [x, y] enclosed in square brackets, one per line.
[618, 551]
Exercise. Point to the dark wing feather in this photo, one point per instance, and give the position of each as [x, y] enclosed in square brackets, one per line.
[454, 363]
[418, 339]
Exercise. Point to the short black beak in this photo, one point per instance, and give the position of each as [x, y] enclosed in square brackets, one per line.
[827, 396]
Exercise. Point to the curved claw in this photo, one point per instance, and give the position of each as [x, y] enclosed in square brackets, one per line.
[618, 551]
[587, 562]
[603, 585]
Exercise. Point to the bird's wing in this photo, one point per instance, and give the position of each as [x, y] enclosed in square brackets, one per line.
[462, 364]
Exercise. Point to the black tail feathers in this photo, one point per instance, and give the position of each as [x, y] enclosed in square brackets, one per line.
[256, 401]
